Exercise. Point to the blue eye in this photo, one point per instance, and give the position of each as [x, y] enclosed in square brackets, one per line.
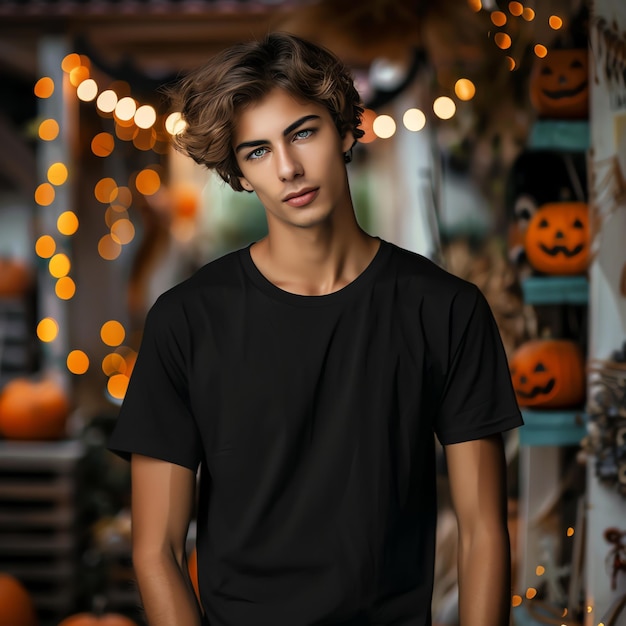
[304, 134]
[256, 154]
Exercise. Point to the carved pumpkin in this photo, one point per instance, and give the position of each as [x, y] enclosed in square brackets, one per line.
[548, 373]
[557, 239]
[33, 409]
[91, 619]
[15, 277]
[16, 605]
[559, 84]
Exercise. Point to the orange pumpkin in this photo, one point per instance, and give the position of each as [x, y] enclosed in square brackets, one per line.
[548, 373]
[15, 277]
[558, 238]
[33, 409]
[192, 565]
[16, 605]
[91, 619]
[559, 84]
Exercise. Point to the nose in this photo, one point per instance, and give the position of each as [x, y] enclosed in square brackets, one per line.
[288, 166]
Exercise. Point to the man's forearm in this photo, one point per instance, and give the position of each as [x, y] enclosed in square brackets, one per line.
[485, 579]
[166, 592]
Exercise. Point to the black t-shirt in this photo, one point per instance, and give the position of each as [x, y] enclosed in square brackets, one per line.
[313, 421]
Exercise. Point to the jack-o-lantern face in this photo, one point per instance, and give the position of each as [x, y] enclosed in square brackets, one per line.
[559, 84]
[557, 239]
[548, 373]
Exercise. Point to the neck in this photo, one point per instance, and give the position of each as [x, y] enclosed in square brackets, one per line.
[314, 261]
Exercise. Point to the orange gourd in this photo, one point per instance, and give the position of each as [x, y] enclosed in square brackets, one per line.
[192, 565]
[33, 409]
[548, 373]
[558, 238]
[91, 619]
[559, 84]
[16, 605]
[15, 277]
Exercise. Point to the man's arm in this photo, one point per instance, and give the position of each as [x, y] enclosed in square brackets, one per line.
[163, 496]
[477, 474]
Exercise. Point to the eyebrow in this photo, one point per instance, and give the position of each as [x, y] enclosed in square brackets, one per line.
[289, 129]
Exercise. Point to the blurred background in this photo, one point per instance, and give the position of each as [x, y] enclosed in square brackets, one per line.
[495, 145]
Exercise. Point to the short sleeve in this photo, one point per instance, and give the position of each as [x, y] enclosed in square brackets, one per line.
[155, 418]
[477, 398]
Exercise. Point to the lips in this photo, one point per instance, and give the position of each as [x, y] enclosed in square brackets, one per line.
[302, 197]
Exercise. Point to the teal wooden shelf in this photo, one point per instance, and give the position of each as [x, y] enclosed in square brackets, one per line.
[566, 135]
[556, 290]
[553, 428]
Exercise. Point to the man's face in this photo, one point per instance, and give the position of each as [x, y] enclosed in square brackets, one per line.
[291, 155]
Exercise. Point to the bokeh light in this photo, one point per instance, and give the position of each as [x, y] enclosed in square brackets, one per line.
[125, 109]
[113, 363]
[107, 101]
[444, 107]
[124, 196]
[498, 18]
[48, 130]
[148, 182]
[65, 288]
[475, 5]
[145, 116]
[464, 89]
[47, 329]
[144, 139]
[384, 126]
[555, 22]
[503, 40]
[367, 120]
[511, 63]
[516, 600]
[87, 90]
[70, 62]
[540, 570]
[108, 248]
[44, 87]
[414, 120]
[59, 265]
[57, 174]
[541, 51]
[79, 75]
[516, 8]
[114, 213]
[117, 386]
[175, 124]
[45, 246]
[528, 14]
[102, 144]
[105, 190]
[123, 231]
[112, 333]
[45, 194]
[77, 362]
[67, 223]
[531, 592]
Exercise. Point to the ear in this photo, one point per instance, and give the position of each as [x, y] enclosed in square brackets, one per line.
[347, 141]
[245, 184]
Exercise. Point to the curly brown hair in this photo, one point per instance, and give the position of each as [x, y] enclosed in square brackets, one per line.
[211, 97]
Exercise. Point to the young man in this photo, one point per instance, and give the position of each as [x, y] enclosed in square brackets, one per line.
[307, 375]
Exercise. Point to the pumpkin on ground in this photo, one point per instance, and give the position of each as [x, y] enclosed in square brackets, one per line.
[558, 239]
[548, 373]
[33, 409]
[16, 605]
[559, 84]
[91, 619]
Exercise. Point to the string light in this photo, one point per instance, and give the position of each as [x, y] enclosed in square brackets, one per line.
[555, 22]
[414, 120]
[87, 90]
[498, 18]
[464, 89]
[384, 126]
[444, 107]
